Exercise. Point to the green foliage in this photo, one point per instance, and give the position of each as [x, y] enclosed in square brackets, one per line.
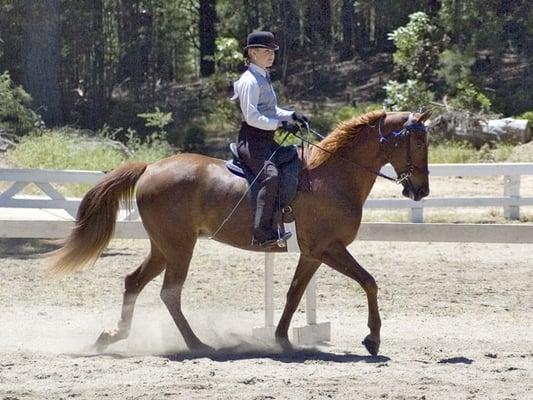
[455, 152]
[157, 118]
[410, 95]
[348, 112]
[324, 121]
[417, 46]
[527, 115]
[68, 148]
[469, 97]
[64, 149]
[455, 66]
[472, 23]
[152, 148]
[194, 139]
[228, 55]
[218, 106]
[15, 113]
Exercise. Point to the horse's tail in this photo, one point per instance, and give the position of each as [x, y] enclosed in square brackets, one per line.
[95, 222]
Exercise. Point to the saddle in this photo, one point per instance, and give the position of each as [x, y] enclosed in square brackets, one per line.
[289, 168]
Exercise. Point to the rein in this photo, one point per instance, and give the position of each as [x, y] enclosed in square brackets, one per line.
[412, 126]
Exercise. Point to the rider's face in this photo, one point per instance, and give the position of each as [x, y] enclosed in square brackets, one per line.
[262, 57]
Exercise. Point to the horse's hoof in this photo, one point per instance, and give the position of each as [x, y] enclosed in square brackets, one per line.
[102, 342]
[285, 344]
[371, 345]
[202, 348]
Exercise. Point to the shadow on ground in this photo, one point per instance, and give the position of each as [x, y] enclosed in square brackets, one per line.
[294, 356]
[247, 351]
[25, 248]
[35, 248]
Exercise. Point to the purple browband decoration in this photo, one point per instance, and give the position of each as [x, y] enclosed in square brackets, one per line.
[404, 132]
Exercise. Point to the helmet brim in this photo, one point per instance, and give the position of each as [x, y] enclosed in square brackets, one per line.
[275, 47]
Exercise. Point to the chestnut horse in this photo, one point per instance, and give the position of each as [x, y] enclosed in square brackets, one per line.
[188, 195]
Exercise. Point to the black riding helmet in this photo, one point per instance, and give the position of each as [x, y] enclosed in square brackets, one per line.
[262, 39]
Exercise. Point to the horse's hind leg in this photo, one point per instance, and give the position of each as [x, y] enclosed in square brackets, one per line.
[134, 283]
[175, 276]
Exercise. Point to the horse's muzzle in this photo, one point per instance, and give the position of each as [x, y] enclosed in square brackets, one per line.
[413, 193]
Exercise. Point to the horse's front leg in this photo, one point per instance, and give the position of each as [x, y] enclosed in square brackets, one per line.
[338, 258]
[303, 274]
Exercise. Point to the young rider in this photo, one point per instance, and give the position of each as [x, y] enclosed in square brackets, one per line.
[261, 117]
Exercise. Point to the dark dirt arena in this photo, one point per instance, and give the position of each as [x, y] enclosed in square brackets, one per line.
[456, 325]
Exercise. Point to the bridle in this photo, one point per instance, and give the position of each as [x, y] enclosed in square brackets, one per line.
[385, 143]
[397, 136]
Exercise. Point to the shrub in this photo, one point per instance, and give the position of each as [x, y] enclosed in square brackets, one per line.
[153, 148]
[157, 119]
[194, 139]
[228, 55]
[417, 46]
[410, 95]
[455, 67]
[66, 148]
[15, 114]
[469, 97]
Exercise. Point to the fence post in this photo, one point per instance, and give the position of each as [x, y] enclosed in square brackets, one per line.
[511, 189]
[310, 301]
[269, 289]
[416, 214]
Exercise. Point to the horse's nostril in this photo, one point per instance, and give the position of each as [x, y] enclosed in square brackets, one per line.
[423, 192]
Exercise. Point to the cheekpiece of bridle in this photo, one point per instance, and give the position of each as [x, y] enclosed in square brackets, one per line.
[396, 137]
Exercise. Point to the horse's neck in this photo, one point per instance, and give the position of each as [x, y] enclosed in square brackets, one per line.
[351, 171]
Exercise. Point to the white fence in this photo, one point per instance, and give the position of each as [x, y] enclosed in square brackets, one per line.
[51, 217]
[510, 199]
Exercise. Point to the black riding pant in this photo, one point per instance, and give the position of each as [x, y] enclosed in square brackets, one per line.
[255, 146]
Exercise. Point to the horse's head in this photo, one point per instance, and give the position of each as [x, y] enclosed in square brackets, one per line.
[406, 148]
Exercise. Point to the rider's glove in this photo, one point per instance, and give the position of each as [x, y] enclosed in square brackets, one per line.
[290, 127]
[300, 118]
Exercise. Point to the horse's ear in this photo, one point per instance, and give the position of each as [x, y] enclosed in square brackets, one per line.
[424, 116]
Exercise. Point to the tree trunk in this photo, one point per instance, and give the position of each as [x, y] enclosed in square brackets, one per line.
[208, 36]
[318, 23]
[135, 45]
[287, 35]
[347, 22]
[324, 21]
[96, 89]
[42, 56]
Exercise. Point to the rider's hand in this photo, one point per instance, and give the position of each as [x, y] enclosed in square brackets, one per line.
[300, 118]
[290, 127]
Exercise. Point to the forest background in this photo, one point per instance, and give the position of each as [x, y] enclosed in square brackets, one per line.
[160, 71]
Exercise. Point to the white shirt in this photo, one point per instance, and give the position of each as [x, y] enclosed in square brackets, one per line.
[247, 91]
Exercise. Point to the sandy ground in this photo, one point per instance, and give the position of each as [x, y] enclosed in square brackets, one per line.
[456, 325]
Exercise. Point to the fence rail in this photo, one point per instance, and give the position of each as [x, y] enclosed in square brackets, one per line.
[510, 199]
[13, 225]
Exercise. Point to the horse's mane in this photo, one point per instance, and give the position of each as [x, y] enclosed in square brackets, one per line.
[345, 132]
